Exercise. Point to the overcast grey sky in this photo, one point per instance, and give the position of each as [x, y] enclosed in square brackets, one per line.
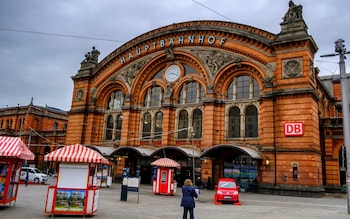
[41, 65]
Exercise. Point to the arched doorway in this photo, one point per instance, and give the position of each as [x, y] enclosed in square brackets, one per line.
[137, 159]
[232, 161]
[186, 157]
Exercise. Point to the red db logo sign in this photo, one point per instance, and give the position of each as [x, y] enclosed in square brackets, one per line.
[293, 129]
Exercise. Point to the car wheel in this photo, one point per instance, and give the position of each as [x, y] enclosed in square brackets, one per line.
[36, 180]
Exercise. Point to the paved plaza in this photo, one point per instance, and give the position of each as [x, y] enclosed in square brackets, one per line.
[31, 202]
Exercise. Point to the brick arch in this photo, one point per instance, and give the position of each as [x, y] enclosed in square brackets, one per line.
[225, 76]
[105, 90]
[150, 69]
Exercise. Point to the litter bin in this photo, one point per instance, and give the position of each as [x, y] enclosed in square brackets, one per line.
[124, 193]
[344, 188]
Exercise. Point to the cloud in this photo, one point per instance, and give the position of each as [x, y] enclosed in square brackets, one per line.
[41, 65]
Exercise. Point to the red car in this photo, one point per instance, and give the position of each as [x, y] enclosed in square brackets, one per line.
[226, 191]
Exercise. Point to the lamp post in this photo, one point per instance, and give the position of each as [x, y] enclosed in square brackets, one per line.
[341, 51]
[193, 161]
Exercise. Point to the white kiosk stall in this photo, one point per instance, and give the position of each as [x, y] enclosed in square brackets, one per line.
[75, 192]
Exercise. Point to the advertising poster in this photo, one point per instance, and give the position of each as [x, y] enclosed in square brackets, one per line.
[70, 200]
[3, 175]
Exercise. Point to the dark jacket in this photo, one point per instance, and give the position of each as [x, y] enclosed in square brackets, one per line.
[188, 194]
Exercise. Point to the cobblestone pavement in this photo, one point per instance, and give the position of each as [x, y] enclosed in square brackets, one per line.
[31, 202]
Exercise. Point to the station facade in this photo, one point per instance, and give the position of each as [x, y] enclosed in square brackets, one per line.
[222, 99]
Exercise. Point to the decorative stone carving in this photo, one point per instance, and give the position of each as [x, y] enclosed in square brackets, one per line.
[292, 68]
[215, 60]
[128, 97]
[268, 82]
[211, 88]
[79, 96]
[169, 53]
[168, 92]
[129, 74]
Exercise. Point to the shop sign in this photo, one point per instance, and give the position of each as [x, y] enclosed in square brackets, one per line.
[293, 128]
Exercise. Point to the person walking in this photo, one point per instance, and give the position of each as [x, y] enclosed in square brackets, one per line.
[187, 200]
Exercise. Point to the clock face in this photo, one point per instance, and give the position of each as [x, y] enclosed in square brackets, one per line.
[172, 73]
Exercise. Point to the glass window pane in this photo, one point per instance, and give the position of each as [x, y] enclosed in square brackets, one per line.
[147, 124]
[256, 88]
[234, 126]
[119, 127]
[155, 96]
[191, 94]
[109, 128]
[251, 122]
[183, 124]
[243, 87]
[197, 123]
[116, 100]
[230, 91]
[158, 129]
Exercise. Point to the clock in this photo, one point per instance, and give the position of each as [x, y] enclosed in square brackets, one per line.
[172, 73]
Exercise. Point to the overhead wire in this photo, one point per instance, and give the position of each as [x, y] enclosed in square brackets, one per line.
[212, 10]
[60, 35]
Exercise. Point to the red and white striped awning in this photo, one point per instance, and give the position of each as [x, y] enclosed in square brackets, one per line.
[165, 162]
[14, 147]
[76, 154]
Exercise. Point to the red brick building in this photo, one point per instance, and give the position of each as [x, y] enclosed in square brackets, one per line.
[42, 129]
[241, 101]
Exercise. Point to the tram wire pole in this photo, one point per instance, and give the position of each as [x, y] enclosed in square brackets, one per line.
[193, 162]
[341, 51]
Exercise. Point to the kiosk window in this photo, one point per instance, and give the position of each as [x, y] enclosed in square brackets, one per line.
[163, 176]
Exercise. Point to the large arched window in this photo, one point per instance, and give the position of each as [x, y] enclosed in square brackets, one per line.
[183, 124]
[109, 128]
[251, 122]
[147, 125]
[197, 123]
[116, 100]
[153, 96]
[234, 123]
[158, 125]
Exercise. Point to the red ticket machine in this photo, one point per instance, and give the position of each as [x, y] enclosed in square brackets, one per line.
[163, 176]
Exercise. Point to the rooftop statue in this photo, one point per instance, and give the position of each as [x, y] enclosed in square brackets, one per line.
[92, 56]
[294, 13]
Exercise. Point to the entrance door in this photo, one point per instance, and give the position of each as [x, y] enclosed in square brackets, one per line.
[163, 184]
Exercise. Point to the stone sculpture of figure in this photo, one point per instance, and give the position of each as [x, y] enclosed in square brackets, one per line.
[168, 91]
[92, 56]
[294, 12]
[111, 102]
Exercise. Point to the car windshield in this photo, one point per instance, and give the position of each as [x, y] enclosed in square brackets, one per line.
[37, 170]
[227, 185]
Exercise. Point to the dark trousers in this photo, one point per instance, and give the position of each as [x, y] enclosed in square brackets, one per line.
[188, 210]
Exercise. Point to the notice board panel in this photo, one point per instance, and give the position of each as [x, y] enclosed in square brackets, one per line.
[73, 176]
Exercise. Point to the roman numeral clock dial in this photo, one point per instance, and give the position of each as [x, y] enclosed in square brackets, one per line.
[172, 73]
